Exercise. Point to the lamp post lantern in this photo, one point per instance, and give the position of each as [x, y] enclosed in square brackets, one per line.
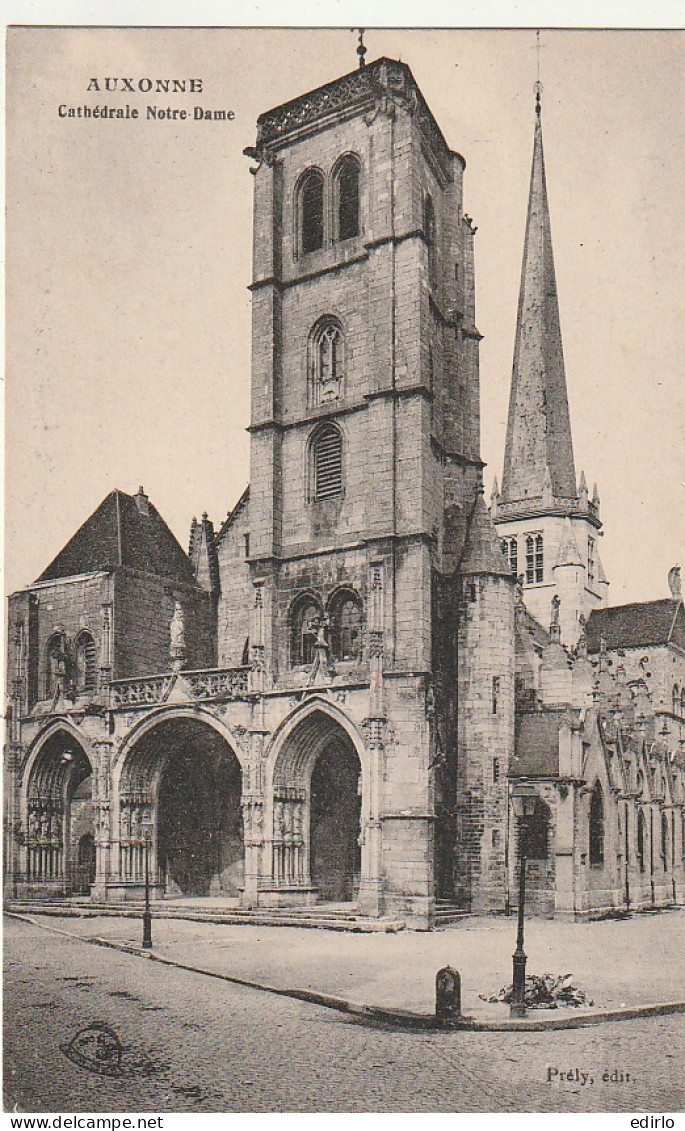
[523, 799]
[147, 913]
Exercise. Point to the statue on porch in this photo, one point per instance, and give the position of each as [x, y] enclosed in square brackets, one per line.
[320, 672]
[177, 633]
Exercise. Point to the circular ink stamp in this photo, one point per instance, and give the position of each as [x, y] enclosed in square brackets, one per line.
[96, 1048]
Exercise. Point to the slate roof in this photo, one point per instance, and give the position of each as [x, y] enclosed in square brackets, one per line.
[539, 448]
[638, 625]
[537, 744]
[233, 515]
[483, 551]
[119, 534]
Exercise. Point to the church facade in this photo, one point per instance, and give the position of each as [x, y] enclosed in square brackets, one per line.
[332, 697]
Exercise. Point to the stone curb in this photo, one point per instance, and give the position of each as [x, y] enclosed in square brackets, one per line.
[399, 1018]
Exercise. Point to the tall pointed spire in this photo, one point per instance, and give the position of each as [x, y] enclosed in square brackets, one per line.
[538, 445]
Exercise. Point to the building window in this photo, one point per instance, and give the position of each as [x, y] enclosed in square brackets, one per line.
[590, 562]
[305, 613]
[675, 697]
[535, 559]
[326, 361]
[597, 827]
[511, 552]
[346, 626]
[86, 658]
[537, 832]
[641, 840]
[246, 541]
[430, 236]
[495, 693]
[311, 212]
[326, 463]
[346, 198]
[539, 558]
[495, 769]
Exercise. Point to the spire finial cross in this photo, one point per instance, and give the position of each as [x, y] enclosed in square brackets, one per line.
[538, 85]
[361, 49]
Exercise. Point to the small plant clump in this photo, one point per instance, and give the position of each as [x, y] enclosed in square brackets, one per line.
[544, 992]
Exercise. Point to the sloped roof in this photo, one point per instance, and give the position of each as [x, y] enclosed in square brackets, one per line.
[233, 514]
[637, 625]
[537, 744]
[122, 533]
[539, 448]
[483, 551]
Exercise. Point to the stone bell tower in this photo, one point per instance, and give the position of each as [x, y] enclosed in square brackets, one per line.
[365, 419]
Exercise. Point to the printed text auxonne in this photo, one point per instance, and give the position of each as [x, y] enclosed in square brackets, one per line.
[160, 86]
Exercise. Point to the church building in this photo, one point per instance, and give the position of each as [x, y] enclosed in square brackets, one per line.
[331, 698]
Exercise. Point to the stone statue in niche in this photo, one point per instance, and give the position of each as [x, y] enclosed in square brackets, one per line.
[177, 633]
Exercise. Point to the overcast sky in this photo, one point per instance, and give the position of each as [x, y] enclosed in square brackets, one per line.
[129, 257]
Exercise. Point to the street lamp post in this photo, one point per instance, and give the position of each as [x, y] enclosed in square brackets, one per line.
[523, 800]
[147, 913]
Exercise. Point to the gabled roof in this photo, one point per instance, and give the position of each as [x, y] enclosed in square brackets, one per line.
[126, 531]
[638, 625]
[233, 515]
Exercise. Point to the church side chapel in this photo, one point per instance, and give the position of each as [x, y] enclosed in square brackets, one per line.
[332, 699]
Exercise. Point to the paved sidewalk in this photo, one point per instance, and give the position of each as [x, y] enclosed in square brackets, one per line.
[619, 963]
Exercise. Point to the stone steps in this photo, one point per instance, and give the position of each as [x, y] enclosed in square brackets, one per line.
[447, 912]
[333, 920]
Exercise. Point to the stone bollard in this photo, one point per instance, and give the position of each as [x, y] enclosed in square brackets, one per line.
[447, 995]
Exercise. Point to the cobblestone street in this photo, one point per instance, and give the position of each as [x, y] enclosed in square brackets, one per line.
[192, 1043]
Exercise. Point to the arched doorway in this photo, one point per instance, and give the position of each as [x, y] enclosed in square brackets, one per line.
[59, 812]
[335, 811]
[181, 785]
[317, 811]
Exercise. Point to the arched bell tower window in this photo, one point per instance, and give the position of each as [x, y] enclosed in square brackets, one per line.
[597, 827]
[304, 613]
[325, 463]
[311, 212]
[85, 662]
[346, 198]
[345, 615]
[326, 361]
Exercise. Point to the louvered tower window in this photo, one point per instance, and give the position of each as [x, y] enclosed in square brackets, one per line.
[326, 463]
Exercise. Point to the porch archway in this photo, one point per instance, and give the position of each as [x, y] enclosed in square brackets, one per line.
[317, 807]
[180, 785]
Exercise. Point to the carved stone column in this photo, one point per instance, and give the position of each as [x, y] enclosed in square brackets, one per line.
[102, 832]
